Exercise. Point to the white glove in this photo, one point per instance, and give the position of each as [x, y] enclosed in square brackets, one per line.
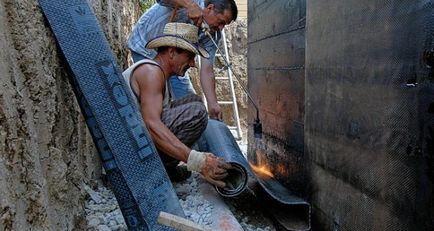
[213, 169]
[196, 161]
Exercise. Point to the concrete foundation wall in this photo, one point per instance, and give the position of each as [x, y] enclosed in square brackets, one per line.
[368, 126]
[276, 53]
[46, 153]
[359, 99]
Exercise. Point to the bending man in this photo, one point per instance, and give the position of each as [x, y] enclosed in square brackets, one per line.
[216, 13]
[174, 125]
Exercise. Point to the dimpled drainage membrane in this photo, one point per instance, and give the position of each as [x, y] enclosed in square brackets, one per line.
[133, 167]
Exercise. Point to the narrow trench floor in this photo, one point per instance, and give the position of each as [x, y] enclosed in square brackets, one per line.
[244, 208]
[103, 213]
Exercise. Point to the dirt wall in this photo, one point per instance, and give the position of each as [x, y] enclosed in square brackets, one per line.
[46, 153]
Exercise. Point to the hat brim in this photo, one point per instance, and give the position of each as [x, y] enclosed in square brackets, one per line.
[176, 41]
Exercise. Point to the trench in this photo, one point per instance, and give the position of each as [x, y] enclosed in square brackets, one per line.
[103, 212]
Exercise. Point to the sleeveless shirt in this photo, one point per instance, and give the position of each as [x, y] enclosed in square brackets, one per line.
[128, 73]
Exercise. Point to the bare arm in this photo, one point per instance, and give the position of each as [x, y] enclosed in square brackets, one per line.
[150, 83]
[194, 11]
[207, 81]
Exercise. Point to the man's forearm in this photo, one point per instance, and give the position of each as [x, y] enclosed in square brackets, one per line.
[166, 141]
[207, 81]
[194, 11]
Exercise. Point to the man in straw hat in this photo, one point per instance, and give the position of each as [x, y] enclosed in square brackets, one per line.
[174, 125]
[216, 13]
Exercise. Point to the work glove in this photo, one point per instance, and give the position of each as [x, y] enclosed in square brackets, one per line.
[213, 169]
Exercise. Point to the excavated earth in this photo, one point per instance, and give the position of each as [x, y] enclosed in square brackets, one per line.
[46, 153]
[48, 161]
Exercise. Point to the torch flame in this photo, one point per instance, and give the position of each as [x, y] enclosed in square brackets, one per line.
[262, 169]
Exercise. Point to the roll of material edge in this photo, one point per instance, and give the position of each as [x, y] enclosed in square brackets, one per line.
[236, 181]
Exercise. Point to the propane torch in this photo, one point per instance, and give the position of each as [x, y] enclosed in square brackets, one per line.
[257, 126]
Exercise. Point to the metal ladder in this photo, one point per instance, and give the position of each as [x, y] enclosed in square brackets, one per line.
[233, 101]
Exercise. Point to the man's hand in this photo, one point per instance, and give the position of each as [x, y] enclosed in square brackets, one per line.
[195, 13]
[213, 169]
[215, 111]
[207, 81]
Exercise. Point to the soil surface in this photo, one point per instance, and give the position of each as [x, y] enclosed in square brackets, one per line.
[46, 152]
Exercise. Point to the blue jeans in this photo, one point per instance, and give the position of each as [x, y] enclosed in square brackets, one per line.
[180, 85]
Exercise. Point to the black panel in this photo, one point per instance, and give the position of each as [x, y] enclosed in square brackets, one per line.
[368, 129]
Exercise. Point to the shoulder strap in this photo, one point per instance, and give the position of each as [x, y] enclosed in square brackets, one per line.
[152, 62]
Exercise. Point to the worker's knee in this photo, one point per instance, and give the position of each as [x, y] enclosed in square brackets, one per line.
[187, 118]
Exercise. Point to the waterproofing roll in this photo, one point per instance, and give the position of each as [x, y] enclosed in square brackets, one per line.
[131, 161]
[218, 139]
[291, 211]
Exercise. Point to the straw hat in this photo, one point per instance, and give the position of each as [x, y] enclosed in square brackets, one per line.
[181, 35]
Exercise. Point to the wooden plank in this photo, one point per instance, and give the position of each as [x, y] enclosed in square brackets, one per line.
[221, 217]
[180, 223]
[242, 8]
